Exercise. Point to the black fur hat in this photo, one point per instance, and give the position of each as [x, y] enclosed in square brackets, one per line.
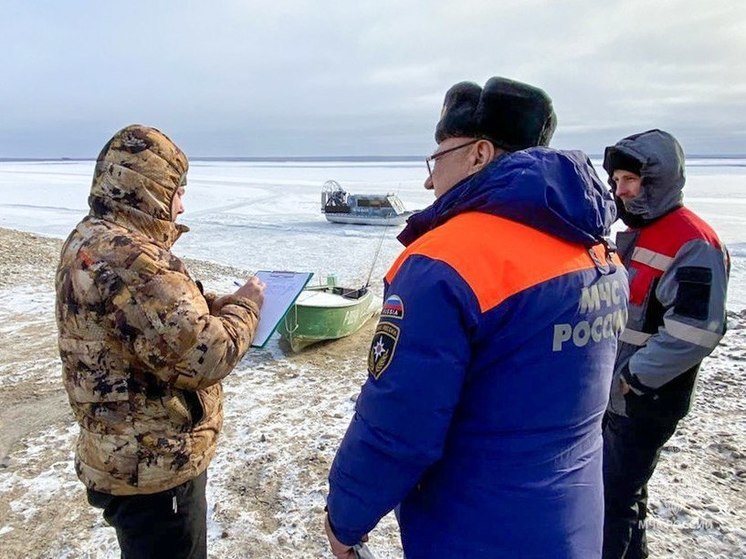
[512, 115]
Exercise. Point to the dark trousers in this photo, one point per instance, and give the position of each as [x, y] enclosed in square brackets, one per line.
[631, 451]
[169, 524]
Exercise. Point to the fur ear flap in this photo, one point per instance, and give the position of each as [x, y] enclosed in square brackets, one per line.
[459, 114]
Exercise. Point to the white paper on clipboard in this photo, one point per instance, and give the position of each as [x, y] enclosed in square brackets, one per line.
[281, 292]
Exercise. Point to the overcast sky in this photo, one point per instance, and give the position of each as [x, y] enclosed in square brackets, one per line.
[359, 77]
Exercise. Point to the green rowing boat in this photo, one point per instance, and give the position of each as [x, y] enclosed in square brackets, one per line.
[327, 312]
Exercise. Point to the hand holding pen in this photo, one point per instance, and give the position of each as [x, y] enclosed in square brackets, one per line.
[253, 289]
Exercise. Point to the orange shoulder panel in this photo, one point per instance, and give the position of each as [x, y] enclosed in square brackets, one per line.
[498, 257]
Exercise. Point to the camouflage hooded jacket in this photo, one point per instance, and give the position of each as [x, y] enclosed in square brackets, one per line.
[142, 354]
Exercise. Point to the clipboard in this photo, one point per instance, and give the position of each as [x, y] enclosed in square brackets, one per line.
[281, 292]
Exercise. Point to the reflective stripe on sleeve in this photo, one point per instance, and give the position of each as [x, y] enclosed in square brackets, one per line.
[633, 337]
[653, 259]
[691, 334]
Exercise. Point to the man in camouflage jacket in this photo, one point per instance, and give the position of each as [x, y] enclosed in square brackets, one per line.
[144, 351]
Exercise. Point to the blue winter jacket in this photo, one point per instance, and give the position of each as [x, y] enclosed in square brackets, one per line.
[489, 371]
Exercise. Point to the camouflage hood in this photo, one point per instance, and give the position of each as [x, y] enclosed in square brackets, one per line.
[662, 172]
[136, 177]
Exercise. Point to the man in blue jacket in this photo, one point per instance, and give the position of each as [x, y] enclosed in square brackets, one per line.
[490, 368]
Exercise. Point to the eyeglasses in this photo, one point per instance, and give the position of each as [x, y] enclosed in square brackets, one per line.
[437, 154]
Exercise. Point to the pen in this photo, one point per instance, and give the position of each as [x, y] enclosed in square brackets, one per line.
[238, 284]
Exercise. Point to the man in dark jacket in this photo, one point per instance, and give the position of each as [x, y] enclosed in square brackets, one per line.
[678, 279]
[489, 370]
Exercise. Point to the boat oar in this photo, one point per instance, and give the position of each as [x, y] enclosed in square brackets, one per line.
[375, 258]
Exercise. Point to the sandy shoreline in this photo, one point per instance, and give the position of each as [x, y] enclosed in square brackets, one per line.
[285, 415]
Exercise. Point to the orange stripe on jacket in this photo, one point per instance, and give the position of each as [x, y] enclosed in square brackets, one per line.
[498, 257]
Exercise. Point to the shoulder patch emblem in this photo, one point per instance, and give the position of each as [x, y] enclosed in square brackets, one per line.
[393, 307]
[382, 348]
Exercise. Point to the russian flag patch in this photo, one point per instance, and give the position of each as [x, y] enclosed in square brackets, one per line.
[393, 307]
